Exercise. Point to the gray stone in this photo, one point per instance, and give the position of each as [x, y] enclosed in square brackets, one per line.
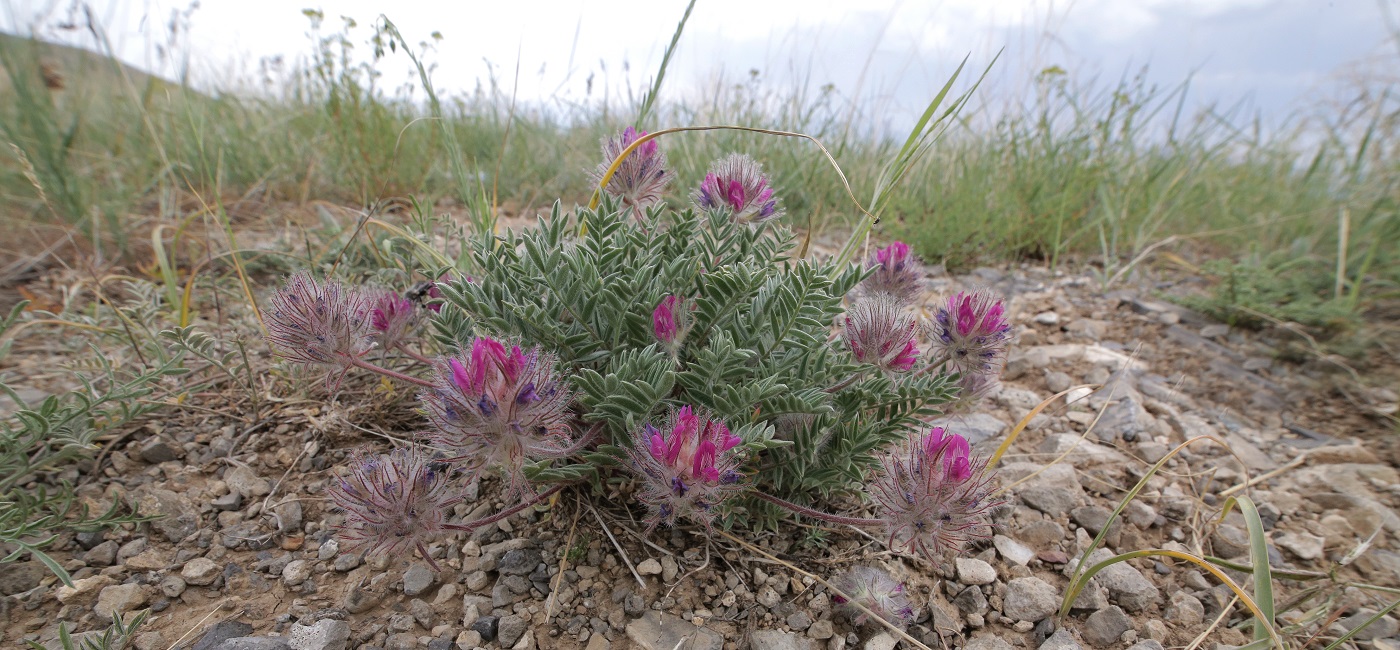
[1061, 640]
[200, 572]
[103, 554]
[1384, 627]
[1054, 491]
[155, 451]
[179, 518]
[227, 502]
[649, 567]
[1146, 644]
[222, 631]
[1127, 586]
[172, 586]
[1030, 599]
[80, 640]
[975, 427]
[325, 634]
[296, 572]
[1125, 418]
[486, 627]
[1014, 551]
[799, 620]
[254, 643]
[1303, 545]
[1094, 518]
[1229, 541]
[882, 641]
[519, 562]
[661, 631]
[289, 516]
[509, 629]
[1184, 609]
[119, 599]
[417, 579]
[669, 568]
[359, 599]
[1056, 381]
[779, 640]
[244, 480]
[346, 562]
[987, 642]
[1104, 627]
[18, 577]
[821, 630]
[971, 601]
[972, 571]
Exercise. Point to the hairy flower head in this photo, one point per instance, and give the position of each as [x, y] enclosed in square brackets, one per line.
[737, 184]
[498, 406]
[393, 501]
[392, 319]
[933, 494]
[877, 592]
[972, 388]
[687, 468]
[322, 324]
[881, 334]
[972, 331]
[896, 274]
[671, 320]
[641, 178]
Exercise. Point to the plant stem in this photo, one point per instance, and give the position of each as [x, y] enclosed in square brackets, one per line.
[938, 361]
[477, 523]
[415, 356]
[360, 363]
[817, 514]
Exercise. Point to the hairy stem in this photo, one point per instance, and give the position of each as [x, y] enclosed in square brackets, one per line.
[415, 356]
[477, 523]
[817, 514]
[365, 365]
[937, 361]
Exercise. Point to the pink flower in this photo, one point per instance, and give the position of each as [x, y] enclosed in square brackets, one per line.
[972, 331]
[688, 469]
[641, 178]
[896, 274]
[663, 320]
[393, 501]
[393, 319]
[737, 184]
[879, 333]
[319, 324]
[933, 495]
[498, 406]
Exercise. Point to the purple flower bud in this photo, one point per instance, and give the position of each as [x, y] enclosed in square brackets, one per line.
[877, 592]
[499, 406]
[392, 502]
[641, 178]
[393, 319]
[879, 333]
[896, 274]
[687, 471]
[737, 185]
[933, 494]
[663, 320]
[972, 331]
[319, 324]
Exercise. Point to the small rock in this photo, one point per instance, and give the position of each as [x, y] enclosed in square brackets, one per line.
[1046, 318]
[669, 569]
[987, 642]
[103, 554]
[325, 634]
[1148, 644]
[1127, 586]
[649, 567]
[1229, 541]
[83, 591]
[19, 577]
[971, 601]
[881, 641]
[1184, 609]
[155, 451]
[179, 518]
[296, 572]
[486, 627]
[661, 631]
[1093, 519]
[1384, 627]
[417, 579]
[119, 599]
[1056, 381]
[799, 620]
[1014, 551]
[254, 643]
[1054, 491]
[1215, 331]
[151, 559]
[172, 586]
[200, 572]
[468, 639]
[1030, 599]
[1061, 640]
[821, 630]
[975, 427]
[520, 562]
[222, 631]
[1303, 545]
[768, 597]
[779, 640]
[227, 502]
[246, 482]
[1104, 627]
[509, 629]
[972, 571]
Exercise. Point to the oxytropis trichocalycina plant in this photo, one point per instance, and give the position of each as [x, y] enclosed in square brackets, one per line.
[683, 356]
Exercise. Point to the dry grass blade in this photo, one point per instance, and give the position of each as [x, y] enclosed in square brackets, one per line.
[1021, 426]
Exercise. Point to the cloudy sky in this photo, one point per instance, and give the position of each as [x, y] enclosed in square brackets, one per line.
[1274, 57]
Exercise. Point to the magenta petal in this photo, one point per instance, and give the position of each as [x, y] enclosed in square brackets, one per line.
[704, 458]
[460, 376]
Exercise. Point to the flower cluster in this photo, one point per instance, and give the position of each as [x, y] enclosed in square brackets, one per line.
[319, 324]
[671, 320]
[972, 332]
[688, 470]
[393, 319]
[641, 178]
[499, 406]
[738, 185]
[932, 494]
[393, 501]
[877, 592]
[881, 334]
[895, 273]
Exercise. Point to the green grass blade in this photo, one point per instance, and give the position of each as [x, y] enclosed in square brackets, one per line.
[651, 95]
[1259, 556]
[1357, 630]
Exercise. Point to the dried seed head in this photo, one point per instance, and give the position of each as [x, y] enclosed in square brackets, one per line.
[972, 389]
[498, 407]
[641, 178]
[737, 184]
[897, 274]
[877, 592]
[971, 329]
[319, 324]
[393, 319]
[881, 334]
[394, 501]
[933, 494]
[686, 469]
